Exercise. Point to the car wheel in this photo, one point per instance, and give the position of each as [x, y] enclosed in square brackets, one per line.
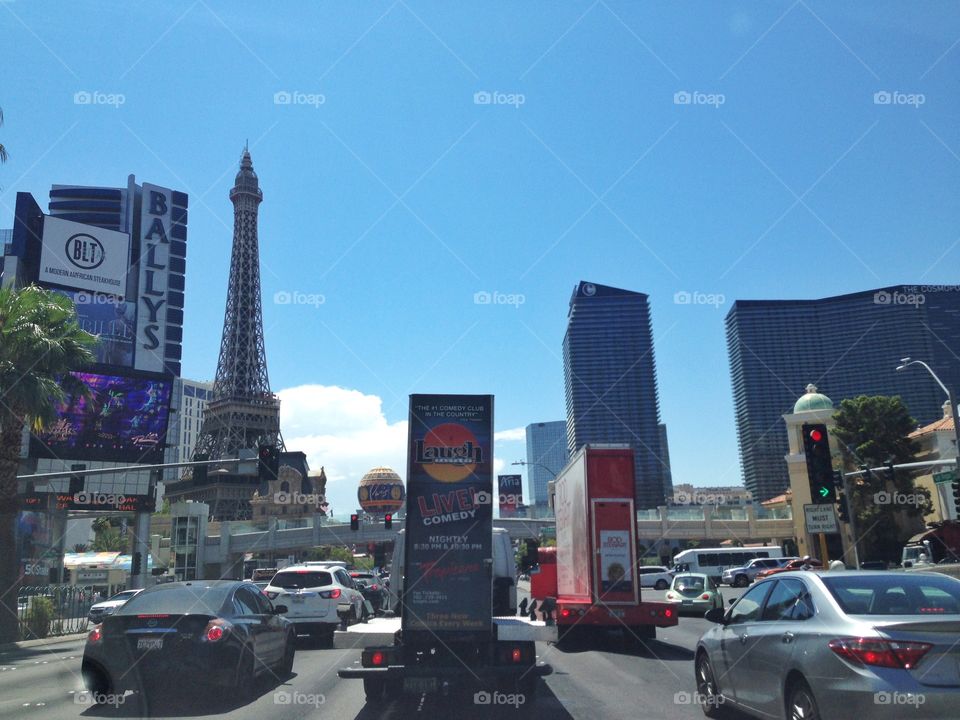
[661, 585]
[741, 581]
[246, 675]
[286, 664]
[95, 680]
[801, 705]
[707, 695]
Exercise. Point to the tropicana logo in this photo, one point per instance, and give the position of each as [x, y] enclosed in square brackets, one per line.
[449, 453]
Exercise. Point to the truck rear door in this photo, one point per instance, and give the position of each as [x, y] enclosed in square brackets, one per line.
[615, 579]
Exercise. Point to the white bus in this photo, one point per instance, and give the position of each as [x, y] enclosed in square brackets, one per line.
[713, 561]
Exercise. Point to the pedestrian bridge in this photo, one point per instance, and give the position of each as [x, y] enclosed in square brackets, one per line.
[236, 539]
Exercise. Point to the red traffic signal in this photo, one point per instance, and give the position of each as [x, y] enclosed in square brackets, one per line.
[354, 521]
[388, 521]
[816, 435]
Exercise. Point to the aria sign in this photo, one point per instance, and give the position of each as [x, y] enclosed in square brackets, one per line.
[84, 257]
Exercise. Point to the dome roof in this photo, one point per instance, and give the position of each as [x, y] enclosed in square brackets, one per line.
[812, 400]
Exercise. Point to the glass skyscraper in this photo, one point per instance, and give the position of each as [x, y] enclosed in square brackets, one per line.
[546, 456]
[611, 382]
[846, 345]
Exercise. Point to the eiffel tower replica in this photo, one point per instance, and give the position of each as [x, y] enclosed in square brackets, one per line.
[243, 413]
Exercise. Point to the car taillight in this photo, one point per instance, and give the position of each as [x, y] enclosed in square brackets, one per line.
[373, 587]
[272, 595]
[670, 596]
[96, 635]
[565, 612]
[705, 596]
[331, 594]
[881, 653]
[215, 630]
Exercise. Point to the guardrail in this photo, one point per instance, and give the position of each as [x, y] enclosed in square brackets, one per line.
[50, 610]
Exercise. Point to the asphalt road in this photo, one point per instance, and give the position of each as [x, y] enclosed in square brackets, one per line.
[608, 679]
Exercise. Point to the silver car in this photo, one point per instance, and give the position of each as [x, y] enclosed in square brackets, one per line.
[743, 576]
[840, 644]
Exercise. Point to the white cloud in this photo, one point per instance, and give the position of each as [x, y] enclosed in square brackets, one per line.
[513, 434]
[346, 432]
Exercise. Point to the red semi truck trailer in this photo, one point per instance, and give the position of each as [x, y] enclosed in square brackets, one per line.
[596, 557]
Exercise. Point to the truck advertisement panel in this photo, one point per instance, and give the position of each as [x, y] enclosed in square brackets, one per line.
[449, 525]
[573, 540]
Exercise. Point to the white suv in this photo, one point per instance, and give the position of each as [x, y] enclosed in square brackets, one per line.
[312, 594]
[655, 576]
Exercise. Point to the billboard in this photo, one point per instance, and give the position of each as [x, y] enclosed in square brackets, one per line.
[449, 525]
[84, 257]
[89, 500]
[124, 418]
[511, 495]
[112, 321]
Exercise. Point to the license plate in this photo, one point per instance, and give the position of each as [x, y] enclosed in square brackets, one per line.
[617, 613]
[419, 685]
[688, 602]
[149, 643]
[298, 598]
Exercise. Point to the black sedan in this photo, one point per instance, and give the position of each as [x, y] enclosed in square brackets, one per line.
[217, 632]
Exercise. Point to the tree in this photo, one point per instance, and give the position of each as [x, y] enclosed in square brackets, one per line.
[80, 548]
[874, 431]
[40, 342]
[109, 541]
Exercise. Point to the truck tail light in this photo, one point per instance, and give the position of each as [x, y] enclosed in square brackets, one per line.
[516, 655]
[96, 635]
[565, 612]
[377, 659]
[668, 613]
[881, 653]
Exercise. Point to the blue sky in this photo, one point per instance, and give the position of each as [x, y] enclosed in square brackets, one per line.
[394, 193]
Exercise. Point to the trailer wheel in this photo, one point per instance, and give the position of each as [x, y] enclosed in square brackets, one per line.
[373, 689]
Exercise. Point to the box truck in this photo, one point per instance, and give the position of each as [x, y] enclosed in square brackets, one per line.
[450, 636]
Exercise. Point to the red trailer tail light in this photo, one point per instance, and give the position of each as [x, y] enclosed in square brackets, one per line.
[516, 655]
[668, 613]
[377, 659]
[565, 612]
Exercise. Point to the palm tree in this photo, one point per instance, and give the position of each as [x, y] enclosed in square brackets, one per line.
[80, 548]
[3, 150]
[40, 342]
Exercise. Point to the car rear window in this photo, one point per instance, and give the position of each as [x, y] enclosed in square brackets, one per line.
[178, 600]
[296, 580]
[896, 594]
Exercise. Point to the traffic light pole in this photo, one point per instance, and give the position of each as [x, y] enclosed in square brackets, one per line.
[852, 513]
[956, 437]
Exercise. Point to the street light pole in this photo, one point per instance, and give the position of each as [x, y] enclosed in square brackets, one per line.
[906, 362]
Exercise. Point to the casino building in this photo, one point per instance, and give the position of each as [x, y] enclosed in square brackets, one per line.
[120, 255]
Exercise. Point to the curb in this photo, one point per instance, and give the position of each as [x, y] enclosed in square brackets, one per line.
[25, 644]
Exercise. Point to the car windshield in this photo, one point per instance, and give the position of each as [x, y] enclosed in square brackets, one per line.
[179, 599]
[896, 594]
[299, 579]
[685, 583]
[125, 595]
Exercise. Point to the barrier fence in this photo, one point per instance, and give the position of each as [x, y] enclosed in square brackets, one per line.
[51, 610]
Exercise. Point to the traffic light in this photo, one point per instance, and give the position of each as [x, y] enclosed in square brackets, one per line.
[891, 473]
[956, 494]
[66, 575]
[816, 448]
[838, 480]
[268, 465]
[843, 511]
[387, 521]
[76, 481]
[136, 563]
[354, 521]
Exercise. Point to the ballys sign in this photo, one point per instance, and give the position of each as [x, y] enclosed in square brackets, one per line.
[162, 265]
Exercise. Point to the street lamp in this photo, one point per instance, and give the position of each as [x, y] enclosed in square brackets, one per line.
[522, 462]
[906, 362]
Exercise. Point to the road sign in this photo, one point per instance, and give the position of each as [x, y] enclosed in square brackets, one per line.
[945, 477]
[820, 519]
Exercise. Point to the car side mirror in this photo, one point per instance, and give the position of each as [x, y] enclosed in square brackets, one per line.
[279, 609]
[714, 615]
